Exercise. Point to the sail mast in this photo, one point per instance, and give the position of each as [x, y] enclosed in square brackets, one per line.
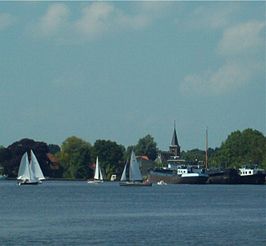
[206, 150]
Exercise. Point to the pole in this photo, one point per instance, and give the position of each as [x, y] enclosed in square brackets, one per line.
[206, 151]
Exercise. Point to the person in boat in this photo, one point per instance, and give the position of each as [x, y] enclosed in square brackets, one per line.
[146, 181]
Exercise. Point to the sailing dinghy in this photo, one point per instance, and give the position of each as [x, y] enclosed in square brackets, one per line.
[98, 177]
[29, 173]
[134, 178]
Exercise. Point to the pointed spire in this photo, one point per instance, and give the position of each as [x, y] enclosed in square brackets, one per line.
[174, 141]
[174, 148]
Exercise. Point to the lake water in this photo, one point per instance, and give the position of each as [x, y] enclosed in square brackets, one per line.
[76, 213]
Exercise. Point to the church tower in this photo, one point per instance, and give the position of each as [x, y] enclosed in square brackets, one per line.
[174, 148]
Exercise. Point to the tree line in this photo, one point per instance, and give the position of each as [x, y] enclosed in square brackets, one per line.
[75, 158]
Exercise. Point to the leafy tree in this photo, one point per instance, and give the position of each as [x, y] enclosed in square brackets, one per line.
[247, 147]
[147, 146]
[54, 148]
[128, 152]
[75, 157]
[193, 155]
[110, 156]
[10, 157]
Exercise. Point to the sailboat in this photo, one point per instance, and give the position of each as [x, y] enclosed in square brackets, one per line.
[29, 173]
[2, 176]
[98, 177]
[134, 178]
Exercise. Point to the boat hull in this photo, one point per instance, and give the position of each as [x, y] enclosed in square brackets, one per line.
[227, 177]
[155, 177]
[193, 180]
[95, 182]
[136, 184]
[258, 178]
[232, 176]
[28, 183]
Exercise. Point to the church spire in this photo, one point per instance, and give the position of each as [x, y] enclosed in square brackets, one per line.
[174, 147]
[174, 141]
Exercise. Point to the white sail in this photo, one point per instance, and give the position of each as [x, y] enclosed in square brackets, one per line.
[98, 173]
[24, 171]
[124, 175]
[134, 171]
[101, 175]
[36, 170]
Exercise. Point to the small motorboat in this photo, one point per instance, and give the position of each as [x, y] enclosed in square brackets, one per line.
[161, 182]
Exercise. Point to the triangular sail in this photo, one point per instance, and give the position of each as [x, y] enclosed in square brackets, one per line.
[24, 171]
[98, 173]
[124, 174]
[101, 175]
[35, 168]
[134, 171]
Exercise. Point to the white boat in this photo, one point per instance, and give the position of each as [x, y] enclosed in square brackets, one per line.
[2, 177]
[134, 178]
[161, 182]
[29, 173]
[98, 177]
[251, 175]
[113, 177]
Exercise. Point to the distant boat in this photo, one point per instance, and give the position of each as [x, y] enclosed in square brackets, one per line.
[98, 177]
[182, 175]
[251, 175]
[161, 182]
[134, 177]
[29, 173]
[3, 176]
[233, 176]
[113, 177]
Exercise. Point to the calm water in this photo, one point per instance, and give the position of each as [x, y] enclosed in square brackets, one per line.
[75, 213]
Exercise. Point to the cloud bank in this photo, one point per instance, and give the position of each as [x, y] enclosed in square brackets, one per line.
[238, 48]
[6, 20]
[95, 19]
[54, 19]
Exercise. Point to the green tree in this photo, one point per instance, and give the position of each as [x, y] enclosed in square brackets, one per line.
[10, 157]
[246, 147]
[110, 156]
[147, 146]
[75, 157]
[193, 155]
[128, 152]
[54, 148]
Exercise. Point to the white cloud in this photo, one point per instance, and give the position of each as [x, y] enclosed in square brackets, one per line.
[54, 20]
[238, 47]
[230, 76]
[210, 16]
[96, 19]
[6, 20]
[244, 37]
[102, 17]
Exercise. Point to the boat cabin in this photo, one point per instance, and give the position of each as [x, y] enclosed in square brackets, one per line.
[244, 171]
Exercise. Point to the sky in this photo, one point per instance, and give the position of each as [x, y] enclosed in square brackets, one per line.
[122, 70]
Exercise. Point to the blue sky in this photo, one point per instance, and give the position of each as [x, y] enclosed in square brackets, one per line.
[122, 70]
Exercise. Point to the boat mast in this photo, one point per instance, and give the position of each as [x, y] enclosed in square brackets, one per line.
[206, 150]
